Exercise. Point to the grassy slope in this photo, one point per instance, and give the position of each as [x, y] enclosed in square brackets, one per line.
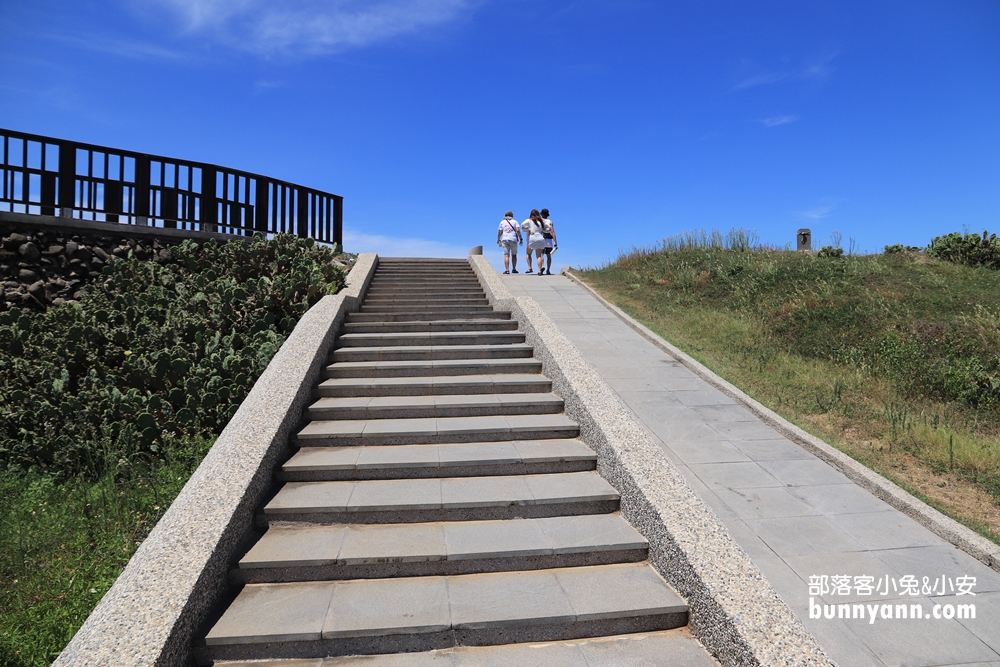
[892, 359]
[80, 488]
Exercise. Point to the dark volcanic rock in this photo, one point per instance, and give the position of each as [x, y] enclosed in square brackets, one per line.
[71, 248]
[27, 276]
[100, 253]
[29, 251]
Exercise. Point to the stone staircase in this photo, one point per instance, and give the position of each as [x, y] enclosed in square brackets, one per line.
[439, 498]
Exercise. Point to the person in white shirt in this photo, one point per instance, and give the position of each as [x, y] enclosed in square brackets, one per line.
[508, 238]
[551, 242]
[534, 229]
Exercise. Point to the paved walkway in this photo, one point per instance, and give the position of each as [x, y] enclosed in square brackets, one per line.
[795, 516]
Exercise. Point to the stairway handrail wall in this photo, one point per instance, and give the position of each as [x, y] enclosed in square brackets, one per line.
[172, 584]
[49, 176]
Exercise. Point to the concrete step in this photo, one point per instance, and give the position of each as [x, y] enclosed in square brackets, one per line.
[423, 316]
[432, 352]
[410, 407]
[396, 287]
[374, 616]
[416, 338]
[410, 305]
[404, 307]
[666, 647]
[425, 325]
[437, 385]
[376, 551]
[435, 430]
[441, 499]
[472, 459]
[411, 282]
[426, 297]
[431, 368]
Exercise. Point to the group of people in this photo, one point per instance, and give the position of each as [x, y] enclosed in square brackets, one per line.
[541, 236]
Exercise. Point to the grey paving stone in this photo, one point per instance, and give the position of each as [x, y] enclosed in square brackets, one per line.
[497, 539]
[851, 563]
[555, 654]
[384, 495]
[553, 450]
[393, 543]
[886, 530]
[563, 487]
[501, 598]
[738, 475]
[317, 662]
[725, 413]
[984, 625]
[311, 497]
[387, 607]
[805, 472]
[779, 449]
[472, 425]
[391, 427]
[637, 399]
[840, 642]
[346, 428]
[705, 451]
[940, 560]
[590, 532]
[425, 659]
[797, 535]
[703, 396]
[764, 502]
[675, 647]
[744, 430]
[396, 456]
[485, 491]
[273, 612]
[839, 498]
[923, 643]
[296, 546]
[324, 458]
[478, 453]
[616, 591]
[672, 430]
[522, 423]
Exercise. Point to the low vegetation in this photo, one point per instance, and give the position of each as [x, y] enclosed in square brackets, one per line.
[893, 358]
[108, 405]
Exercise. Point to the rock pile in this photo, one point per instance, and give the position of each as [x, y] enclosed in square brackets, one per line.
[45, 268]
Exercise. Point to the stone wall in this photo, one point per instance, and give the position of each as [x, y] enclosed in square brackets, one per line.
[42, 268]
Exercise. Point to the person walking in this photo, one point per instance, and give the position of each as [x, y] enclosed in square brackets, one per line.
[551, 242]
[526, 229]
[534, 229]
[508, 238]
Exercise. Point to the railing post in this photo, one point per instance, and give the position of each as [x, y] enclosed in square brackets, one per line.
[142, 211]
[261, 205]
[209, 204]
[338, 222]
[302, 222]
[67, 178]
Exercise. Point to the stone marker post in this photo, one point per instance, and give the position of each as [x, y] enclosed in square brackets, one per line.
[804, 238]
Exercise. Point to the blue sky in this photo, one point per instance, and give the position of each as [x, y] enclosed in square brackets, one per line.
[629, 120]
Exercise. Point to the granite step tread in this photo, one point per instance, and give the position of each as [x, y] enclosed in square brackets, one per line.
[431, 325]
[484, 608]
[437, 459]
[666, 647]
[422, 315]
[401, 495]
[451, 405]
[421, 338]
[435, 384]
[432, 367]
[506, 427]
[283, 547]
[432, 352]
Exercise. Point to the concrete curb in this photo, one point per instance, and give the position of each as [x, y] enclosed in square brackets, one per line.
[154, 609]
[734, 611]
[945, 527]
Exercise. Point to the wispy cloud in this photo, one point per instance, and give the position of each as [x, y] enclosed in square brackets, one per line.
[820, 69]
[818, 212]
[775, 121]
[389, 246]
[270, 27]
[122, 48]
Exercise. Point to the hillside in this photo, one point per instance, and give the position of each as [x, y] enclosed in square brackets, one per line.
[892, 358]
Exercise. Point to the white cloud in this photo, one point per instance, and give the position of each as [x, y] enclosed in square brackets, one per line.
[819, 212]
[775, 121]
[310, 26]
[818, 70]
[388, 246]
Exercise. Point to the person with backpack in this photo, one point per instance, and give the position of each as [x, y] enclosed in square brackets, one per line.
[508, 238]
[534, 229]
[551, 242]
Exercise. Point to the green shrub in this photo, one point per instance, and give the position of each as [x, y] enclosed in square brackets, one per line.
[830, 251]
[968, 249]
[155, 354]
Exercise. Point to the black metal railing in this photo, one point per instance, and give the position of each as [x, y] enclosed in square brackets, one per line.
[47, 176]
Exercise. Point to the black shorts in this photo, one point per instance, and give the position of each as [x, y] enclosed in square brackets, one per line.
[547, 251]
